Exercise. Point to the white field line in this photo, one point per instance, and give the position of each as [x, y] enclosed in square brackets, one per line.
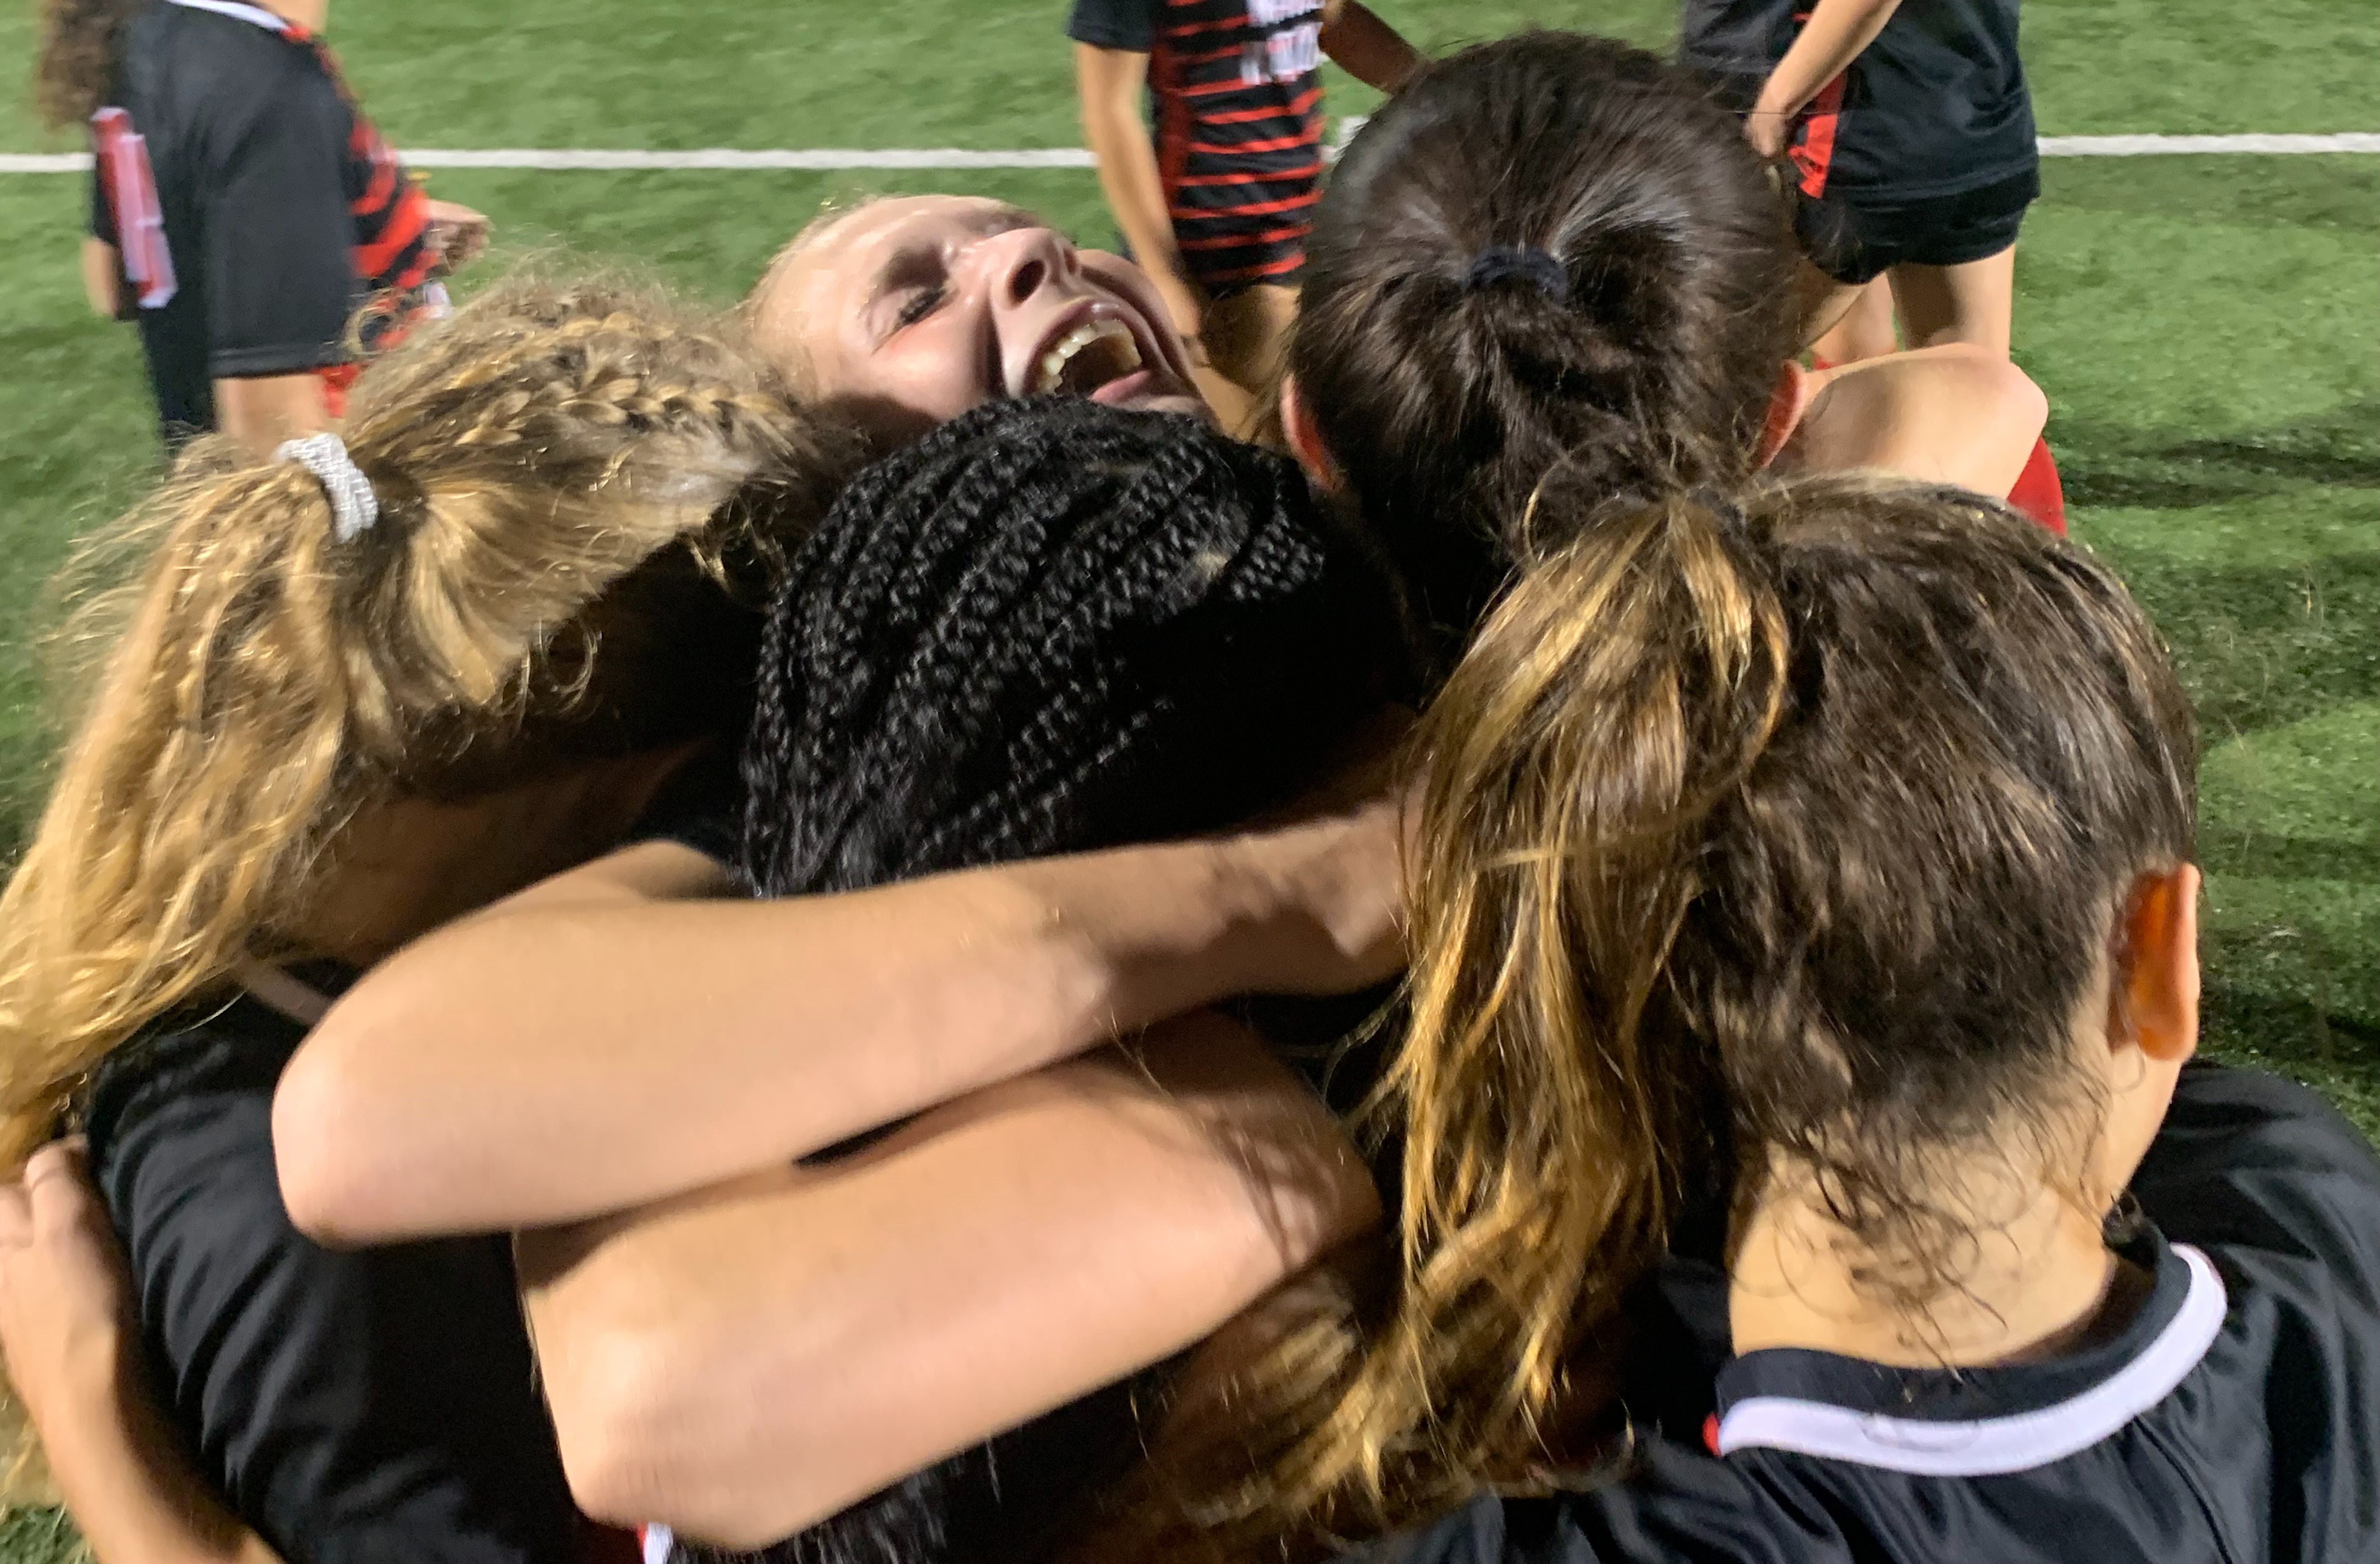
[836, 159]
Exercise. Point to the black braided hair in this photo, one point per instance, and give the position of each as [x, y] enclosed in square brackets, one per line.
[1048, 626]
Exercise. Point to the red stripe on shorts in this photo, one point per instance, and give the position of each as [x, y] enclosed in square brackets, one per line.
[1814, 153]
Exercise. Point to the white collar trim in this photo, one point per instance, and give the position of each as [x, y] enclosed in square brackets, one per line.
[1992, 1446]
[293, 997]
[233, 8]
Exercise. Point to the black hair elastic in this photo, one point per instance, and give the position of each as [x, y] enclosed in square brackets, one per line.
[1525, 263]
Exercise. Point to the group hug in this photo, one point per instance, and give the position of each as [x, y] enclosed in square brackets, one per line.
[849, 933]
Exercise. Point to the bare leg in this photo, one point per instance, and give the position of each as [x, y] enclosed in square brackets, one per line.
[1866, 333]
[1246, 336]
[1970, 303]
[1825, 302]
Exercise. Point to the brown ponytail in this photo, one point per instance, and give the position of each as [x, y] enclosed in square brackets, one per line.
[1636, 346]
[77, 60]
[1804, 819]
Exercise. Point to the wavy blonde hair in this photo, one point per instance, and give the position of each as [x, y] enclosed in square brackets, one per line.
[583, 496]
[1801, 818]
[576, 482]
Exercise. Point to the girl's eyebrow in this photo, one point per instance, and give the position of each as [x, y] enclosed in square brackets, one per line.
[901, 265]
[922, 260]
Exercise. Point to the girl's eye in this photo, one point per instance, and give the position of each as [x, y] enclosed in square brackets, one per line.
[921, 303]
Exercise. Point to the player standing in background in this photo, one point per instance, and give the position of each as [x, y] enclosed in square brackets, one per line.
[1214, 204]
[1909, 131]
[243, 207]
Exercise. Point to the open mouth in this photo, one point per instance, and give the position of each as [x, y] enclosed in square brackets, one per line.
[1094, 354]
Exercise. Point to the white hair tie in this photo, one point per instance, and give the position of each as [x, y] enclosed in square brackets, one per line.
[354, 506]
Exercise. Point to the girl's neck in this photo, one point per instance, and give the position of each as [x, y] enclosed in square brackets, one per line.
[2032, 1284]
[311, 15]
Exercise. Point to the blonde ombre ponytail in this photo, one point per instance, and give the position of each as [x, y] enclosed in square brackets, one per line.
[1766, 840]
[574, 483]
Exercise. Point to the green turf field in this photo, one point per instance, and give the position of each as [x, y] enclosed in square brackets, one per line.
[2208, 331]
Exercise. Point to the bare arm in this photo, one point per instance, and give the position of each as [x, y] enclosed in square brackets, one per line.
[264, 410]
[103, 278]
[1110, 82]
[745, 1363]
[583, 1047]
[1366, 47]
[66, 1324]
[1957, 414]
[1830, 41]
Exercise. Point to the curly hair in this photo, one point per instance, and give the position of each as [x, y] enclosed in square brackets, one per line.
[575, 484]
[1050, 626]
[75, 62]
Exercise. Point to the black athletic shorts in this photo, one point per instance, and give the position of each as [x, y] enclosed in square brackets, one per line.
[1852, 243]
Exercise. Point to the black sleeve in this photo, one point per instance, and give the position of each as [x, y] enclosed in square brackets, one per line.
[363, 1408]
[1677, 1507]
[1114, 24]
[2249, 1161]
[1007, 1499]
[701, 807]
[279, 242]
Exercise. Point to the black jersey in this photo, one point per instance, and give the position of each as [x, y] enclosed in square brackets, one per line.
[1235, 92]
[2231, 1421]
[355, 1407]
[1936, 105]
[255, 208]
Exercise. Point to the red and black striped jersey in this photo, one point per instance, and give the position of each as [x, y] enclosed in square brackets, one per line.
[1235, 94]
[257, 210]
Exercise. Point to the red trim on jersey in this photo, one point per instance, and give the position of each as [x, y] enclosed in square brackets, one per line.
[406, 220]
[1304, 171]
[1235, 241]
[1710, 1432]
[1188, 29]
[121, 155]
[336, 379]
[1813, 150]
[1211, 56]
[1298, 104]
[1210, 89]
[1258, 208]
[2038, 493]
[1287, 263]
[377, 193]
[1784, 414]
[1276, 145]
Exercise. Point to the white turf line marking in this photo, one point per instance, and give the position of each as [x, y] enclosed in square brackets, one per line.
[834, 159]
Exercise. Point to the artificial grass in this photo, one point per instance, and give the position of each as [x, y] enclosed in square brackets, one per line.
[2208, 330]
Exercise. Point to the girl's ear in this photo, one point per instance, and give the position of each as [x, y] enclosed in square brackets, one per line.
[1305, 441]
[2158, 979]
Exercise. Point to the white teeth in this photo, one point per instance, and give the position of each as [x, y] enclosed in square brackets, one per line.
[1053, 363]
